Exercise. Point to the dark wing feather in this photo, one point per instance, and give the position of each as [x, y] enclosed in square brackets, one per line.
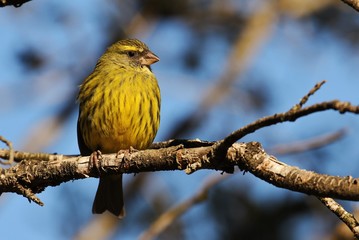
[84, 150]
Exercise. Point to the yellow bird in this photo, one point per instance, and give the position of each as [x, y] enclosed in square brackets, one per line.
[119, 108]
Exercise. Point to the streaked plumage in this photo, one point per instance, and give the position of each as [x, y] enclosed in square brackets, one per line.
[119, 109]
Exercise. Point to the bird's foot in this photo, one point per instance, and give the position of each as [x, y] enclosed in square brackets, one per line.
[132, 150]
[94, 163]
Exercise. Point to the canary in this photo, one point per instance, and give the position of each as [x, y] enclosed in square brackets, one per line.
[119, 108]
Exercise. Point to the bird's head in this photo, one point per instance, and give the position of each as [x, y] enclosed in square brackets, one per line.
[131, 52]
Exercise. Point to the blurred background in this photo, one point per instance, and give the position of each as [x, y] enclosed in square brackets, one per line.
[223, 65]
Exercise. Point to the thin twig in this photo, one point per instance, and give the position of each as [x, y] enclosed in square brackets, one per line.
[19, 156]
[307, 96]
[343, 215]
[289, 116]
[15, 3]
[26, 192]
[10, 152]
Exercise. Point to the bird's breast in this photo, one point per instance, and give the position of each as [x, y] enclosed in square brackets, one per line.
[127, 114]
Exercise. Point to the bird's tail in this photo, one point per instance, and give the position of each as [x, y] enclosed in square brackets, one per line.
[109, 196]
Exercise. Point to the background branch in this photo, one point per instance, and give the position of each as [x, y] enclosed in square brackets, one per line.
[353, 3]
[168, 217]
[309, 144]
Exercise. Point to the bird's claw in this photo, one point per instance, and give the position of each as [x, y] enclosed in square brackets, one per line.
[94, 162]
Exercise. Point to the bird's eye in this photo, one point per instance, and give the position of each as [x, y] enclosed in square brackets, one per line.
[131, 53]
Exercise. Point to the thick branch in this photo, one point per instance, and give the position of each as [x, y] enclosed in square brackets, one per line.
[269, 169]
[250, 157]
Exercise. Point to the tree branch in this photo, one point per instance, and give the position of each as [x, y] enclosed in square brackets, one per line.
[353, 3]
[11, 152]
[290, 116]
[15, 3]
[39, 170]
[35, 175]
[342, 214]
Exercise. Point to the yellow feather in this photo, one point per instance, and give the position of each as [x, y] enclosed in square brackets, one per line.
[119, 105]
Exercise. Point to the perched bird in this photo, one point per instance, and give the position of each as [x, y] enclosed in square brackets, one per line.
[119, 109]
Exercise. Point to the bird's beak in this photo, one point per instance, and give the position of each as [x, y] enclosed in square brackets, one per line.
[149, 58]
